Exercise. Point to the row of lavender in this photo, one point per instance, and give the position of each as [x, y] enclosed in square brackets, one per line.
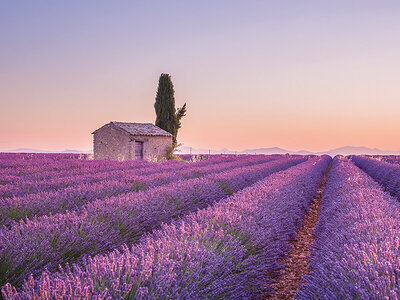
[38, 164]
[30, 155]
[104, 224]
[72, 198]
[387, 174]
[394, 159]
[65, 168]
[43, 168]
[7, 156]
[356, 255]
[92, 172]
[83, 173]
[17, 162]
[229, 250]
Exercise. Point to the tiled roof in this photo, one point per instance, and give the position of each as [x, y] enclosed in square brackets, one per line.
[141, 129]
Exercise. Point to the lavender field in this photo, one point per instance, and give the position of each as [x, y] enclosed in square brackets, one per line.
[222, 227]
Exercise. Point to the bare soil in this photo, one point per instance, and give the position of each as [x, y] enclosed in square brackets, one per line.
[297, 260]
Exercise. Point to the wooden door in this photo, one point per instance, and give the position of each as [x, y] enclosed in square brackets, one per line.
[138, 150]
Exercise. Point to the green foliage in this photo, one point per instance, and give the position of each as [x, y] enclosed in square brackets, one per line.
[226, 188]
[138, 186]
[167, 116]
[180, 113]
[170, 152]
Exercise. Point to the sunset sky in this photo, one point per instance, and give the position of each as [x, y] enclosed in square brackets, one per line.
[298, 75]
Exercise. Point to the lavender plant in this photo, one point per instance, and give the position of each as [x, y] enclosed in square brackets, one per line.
[356, 255]
[56, 180]
[72, 198]
[228, 250]
[102, 225]
[385, 173]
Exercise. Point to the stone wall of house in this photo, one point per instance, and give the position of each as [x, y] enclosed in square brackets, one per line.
[155, 147]
[111, 143]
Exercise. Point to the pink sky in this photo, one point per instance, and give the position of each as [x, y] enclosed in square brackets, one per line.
[297, 76]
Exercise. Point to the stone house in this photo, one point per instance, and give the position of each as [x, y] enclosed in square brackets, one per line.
[128, 141]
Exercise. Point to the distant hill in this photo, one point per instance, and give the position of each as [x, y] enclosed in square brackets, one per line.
[347, 150]
[273, 150]
[30, 150]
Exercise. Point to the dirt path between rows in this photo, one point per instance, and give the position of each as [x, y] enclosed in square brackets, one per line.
[297, 260]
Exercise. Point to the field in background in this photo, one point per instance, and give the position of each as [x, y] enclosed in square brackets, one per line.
[203, 227]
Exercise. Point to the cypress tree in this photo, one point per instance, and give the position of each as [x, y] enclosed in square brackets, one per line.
[168, 118]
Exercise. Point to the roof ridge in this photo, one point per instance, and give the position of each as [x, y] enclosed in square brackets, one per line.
[131, 122]
[141, 128]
